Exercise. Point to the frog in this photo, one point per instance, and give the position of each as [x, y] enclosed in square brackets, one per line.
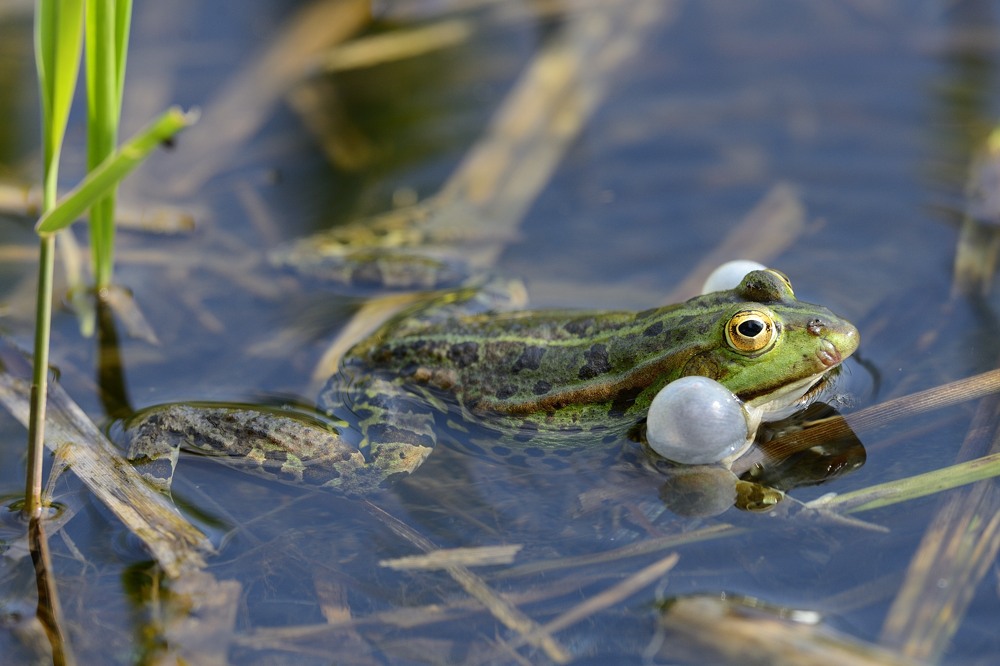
[539, 383]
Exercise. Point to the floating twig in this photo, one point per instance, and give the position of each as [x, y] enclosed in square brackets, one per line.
[481, 556]
[504, 611]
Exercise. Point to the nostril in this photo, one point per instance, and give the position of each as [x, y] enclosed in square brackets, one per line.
[816, 326]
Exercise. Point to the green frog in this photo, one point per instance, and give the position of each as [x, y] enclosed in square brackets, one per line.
[538, 383]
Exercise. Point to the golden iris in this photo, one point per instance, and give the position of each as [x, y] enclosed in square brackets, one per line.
[751, 331]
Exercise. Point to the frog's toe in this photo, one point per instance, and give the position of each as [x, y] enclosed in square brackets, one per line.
[152, 449]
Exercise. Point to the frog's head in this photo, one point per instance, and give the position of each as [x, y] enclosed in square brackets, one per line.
[770, 349]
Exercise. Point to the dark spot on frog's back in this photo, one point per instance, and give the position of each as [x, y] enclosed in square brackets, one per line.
[505, 392]
[464, 354]
[530, 359]
[597, 362]
[579, 326]
[541, 387]
[412, 348]
[395, 351]
[653, 329]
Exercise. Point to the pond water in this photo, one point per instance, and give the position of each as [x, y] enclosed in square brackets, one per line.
[866, 114]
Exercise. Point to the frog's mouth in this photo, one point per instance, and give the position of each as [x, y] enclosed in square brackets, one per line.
[792, 397]
[825, 380]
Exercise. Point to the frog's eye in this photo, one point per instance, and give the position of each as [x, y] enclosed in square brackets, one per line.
[751, 331]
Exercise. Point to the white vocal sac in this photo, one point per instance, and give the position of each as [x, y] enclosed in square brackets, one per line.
[696, 421]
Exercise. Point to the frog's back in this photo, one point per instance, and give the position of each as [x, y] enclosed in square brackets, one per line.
[524, 363]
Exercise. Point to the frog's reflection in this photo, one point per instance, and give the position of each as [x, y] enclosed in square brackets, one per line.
[786, 456]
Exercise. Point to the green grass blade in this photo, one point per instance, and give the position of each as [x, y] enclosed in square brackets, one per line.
[58, 40]
[102, 80]
[113, 169]
[103, 114]
[913, 487]
[123, 21]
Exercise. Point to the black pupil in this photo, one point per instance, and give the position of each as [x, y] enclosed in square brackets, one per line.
[751, 328]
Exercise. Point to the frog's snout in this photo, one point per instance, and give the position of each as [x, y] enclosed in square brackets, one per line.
[838, 340]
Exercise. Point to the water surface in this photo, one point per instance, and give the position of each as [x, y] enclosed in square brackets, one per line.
[870, 111]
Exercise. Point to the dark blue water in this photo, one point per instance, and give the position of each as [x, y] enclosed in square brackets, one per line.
[870, 111]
